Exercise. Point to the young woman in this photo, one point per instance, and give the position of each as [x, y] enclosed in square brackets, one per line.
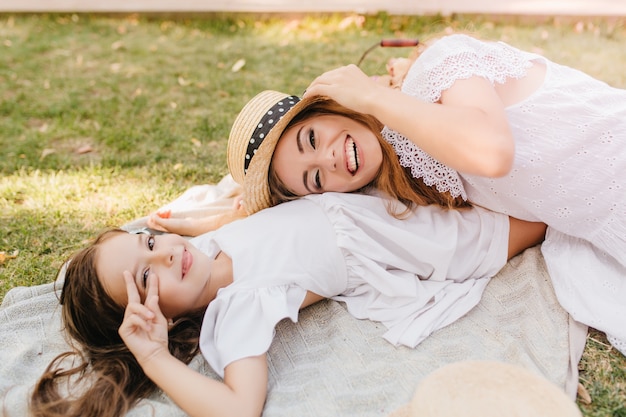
[138, 304]
[505, 129]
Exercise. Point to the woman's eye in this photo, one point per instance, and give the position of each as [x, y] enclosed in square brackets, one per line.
[312, 138]
[144, 277]
[150, 242]
[318, 183]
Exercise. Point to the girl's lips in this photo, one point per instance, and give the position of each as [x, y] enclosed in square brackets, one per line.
[186, 262]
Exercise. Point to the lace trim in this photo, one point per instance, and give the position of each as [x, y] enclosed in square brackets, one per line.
[451, 58]
[424, 166]
[459, 57]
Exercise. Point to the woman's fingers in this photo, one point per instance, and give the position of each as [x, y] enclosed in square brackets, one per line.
[164, 214]
[157, 222]
[349, 86]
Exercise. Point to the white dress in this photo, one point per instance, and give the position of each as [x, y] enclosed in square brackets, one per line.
[569, 170]
[415, 275]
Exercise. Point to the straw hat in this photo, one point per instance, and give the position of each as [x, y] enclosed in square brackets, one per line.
[487, 389]
[252, 141]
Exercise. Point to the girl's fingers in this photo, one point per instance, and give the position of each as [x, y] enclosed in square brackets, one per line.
[153, 286]
[134, 300]
[152, 299]
[136, 321]
[131, 288]
[140, 310]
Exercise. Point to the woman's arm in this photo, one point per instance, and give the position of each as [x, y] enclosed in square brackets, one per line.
[144, 331]
[523, 235]
[467, 130]
[194, 226]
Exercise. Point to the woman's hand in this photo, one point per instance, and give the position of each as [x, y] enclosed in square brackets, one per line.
[187, 226]
[144, 329]
[194, 226]
[349, 86]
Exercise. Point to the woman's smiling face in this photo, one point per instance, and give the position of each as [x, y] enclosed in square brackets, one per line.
[327, 153]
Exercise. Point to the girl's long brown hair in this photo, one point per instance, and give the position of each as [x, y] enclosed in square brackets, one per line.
[100, 376]
[392, 179]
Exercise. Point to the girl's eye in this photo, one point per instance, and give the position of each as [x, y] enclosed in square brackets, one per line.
[150, 242]
[144, 278]
[312, 138]
[318, 183]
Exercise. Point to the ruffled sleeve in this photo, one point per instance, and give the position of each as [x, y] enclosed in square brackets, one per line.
[240, 323]
[278, 255]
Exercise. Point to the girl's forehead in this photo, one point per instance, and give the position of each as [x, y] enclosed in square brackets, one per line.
[116, 255]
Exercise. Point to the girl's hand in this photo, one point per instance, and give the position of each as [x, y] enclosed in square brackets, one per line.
[144, 329]
[349, 86]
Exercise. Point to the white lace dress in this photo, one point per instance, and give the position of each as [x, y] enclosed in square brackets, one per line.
[569, 169]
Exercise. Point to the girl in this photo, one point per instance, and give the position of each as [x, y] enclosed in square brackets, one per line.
[487, 123]
[414, 275]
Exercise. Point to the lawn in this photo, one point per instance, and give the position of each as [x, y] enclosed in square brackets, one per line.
[105, 118]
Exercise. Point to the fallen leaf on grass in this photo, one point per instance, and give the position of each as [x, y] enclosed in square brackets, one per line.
[6, 256]
[84, 149]
[46, 152]
[196, 142]
[238, 65]
[358, 21]
[291, 26]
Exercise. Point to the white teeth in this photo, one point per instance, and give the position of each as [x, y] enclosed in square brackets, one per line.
[352, 156]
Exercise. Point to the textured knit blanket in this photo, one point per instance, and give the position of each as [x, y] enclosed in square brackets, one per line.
[330, 363]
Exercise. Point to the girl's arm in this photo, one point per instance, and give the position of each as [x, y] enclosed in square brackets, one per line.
[241, 394]
[467, 130]
[144, 330]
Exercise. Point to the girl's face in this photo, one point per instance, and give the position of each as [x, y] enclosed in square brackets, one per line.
[327, 153]
[183, 271]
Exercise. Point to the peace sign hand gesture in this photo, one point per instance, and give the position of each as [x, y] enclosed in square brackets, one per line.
[144, 329]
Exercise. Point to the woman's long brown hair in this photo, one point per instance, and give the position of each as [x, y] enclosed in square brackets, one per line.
[392, 179]
[100, 377]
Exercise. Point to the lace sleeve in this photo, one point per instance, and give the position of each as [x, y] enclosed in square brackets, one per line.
[424, 166]
[449, 59]
[459, 57]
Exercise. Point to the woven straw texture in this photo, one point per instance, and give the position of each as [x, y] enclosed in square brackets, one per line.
[256, 190]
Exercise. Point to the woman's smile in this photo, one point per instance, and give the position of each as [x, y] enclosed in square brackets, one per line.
[327, 153]
[352, 155]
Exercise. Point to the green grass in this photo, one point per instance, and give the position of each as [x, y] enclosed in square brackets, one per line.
[152, 99]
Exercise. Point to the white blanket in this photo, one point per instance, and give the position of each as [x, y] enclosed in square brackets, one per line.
[330, 363]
